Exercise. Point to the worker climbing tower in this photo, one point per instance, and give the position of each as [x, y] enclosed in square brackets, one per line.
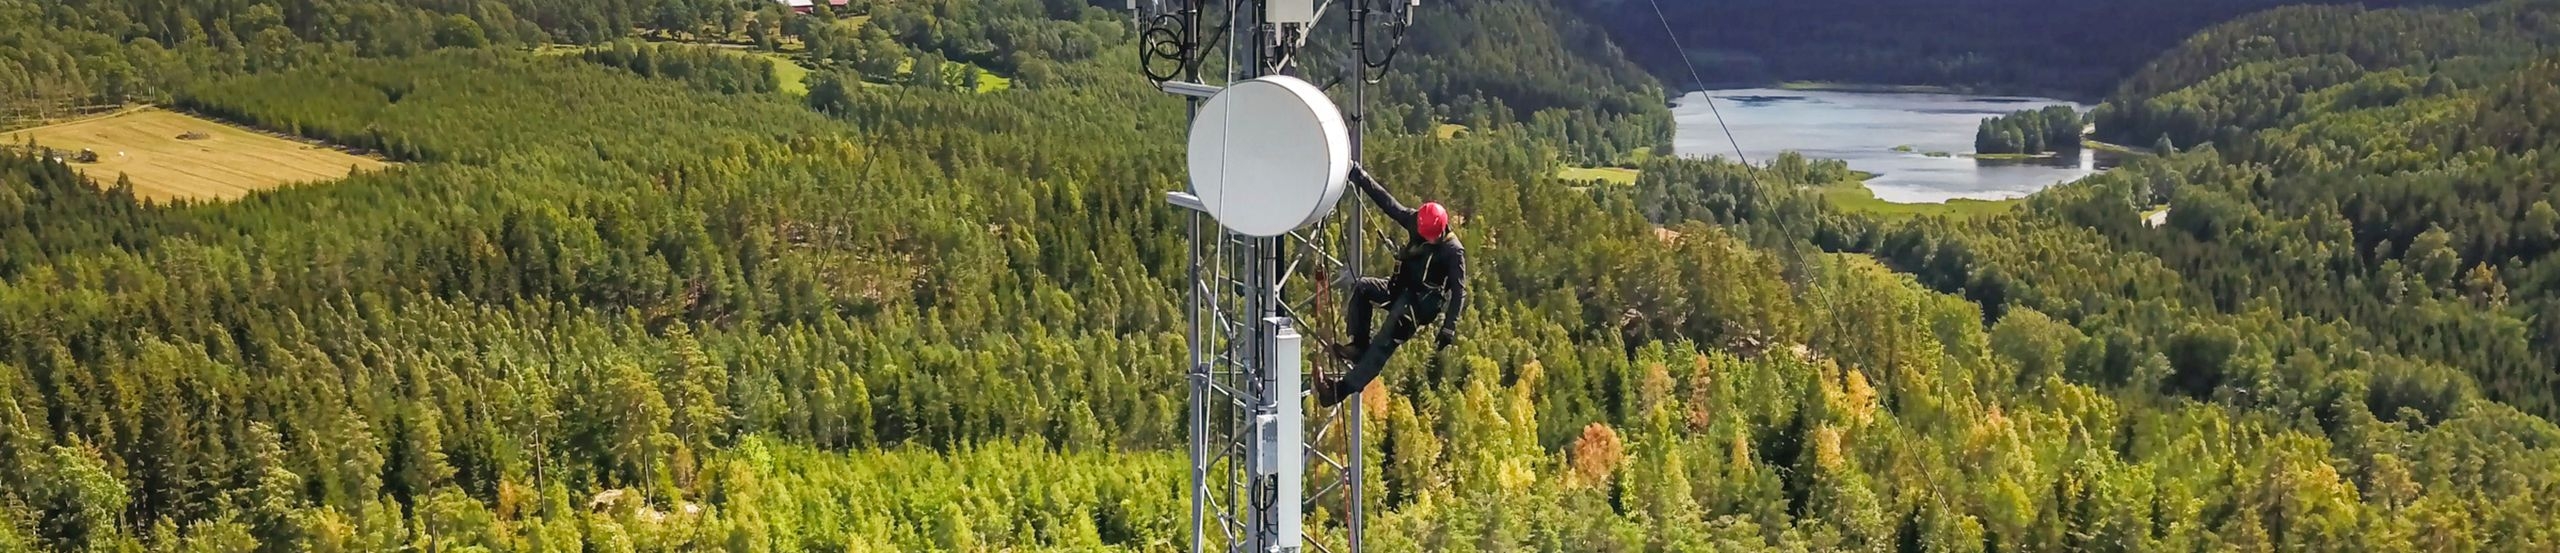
[1269, 151]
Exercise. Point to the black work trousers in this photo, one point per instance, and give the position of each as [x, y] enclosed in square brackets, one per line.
[1405, 314]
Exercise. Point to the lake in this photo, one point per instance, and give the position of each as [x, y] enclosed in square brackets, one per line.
[1864, 128]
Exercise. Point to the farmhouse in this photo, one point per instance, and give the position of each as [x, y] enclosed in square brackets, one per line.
[807, 6]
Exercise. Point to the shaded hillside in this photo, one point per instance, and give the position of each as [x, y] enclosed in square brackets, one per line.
[2067, 48]
[1520, 66]
[2392, 171]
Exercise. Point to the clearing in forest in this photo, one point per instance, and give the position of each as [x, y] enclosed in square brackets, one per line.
[1611, 175]
[794, 77]
[1854, 196]
[171, 155]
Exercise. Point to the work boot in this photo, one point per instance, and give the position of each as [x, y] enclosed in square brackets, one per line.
[1349, 353]
[1322, 384]
[1328, 392]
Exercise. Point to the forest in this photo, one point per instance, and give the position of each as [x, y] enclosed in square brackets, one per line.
[641, 299]
[2411, 182]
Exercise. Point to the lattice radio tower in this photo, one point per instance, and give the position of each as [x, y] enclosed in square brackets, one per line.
[1270, 472]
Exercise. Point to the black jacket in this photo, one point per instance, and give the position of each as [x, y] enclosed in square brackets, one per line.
[1423, 268]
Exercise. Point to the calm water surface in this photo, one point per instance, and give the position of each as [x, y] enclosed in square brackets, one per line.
[1864, 128]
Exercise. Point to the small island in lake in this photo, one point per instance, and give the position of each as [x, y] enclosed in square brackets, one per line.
[2029, 134]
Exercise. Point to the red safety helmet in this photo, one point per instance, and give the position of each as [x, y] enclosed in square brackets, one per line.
[1433, 220]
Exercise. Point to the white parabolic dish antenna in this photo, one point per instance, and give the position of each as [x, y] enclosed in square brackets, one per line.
[1269, 155]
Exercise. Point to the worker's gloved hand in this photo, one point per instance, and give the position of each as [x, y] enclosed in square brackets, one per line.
[1447, 335]
[1359, 173]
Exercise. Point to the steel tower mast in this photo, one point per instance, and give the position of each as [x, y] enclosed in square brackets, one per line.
[1270, 473]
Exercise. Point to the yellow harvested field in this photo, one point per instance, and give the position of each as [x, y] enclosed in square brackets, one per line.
[226, 162]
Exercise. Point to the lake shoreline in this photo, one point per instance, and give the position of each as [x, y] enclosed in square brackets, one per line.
[2002, 157]
[2095, 144]
[1917, 140]
[1880, 88]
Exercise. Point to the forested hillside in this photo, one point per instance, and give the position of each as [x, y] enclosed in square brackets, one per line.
[1529, 65]
[1520, 66]
[2352, 260]
[2076, 49]
[58, 55]
[2401, 185]
[607, 306]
